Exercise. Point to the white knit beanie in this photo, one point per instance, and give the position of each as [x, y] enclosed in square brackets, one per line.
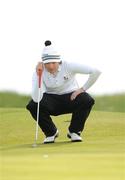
[49, 54]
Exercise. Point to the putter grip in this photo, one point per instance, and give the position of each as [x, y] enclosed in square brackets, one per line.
[39, 77]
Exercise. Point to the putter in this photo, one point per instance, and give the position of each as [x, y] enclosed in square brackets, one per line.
[37, 121]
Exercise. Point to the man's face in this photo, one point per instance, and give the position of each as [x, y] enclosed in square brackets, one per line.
[52, 67]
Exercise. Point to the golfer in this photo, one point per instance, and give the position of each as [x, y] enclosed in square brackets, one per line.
[60, 94]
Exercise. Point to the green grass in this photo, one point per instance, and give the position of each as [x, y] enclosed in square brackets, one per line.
[99, 157]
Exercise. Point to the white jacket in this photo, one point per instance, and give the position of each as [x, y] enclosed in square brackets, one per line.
[64, 81]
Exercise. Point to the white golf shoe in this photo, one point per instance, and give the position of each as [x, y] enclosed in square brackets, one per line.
[74, 137]
[51, 139]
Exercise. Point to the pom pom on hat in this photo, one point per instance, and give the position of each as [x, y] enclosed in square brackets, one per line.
[48, 43]
[49, 54]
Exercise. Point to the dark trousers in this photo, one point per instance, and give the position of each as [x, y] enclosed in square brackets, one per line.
[55, 105]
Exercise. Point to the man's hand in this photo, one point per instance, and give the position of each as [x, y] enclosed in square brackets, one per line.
[76, 93]
[39, 67]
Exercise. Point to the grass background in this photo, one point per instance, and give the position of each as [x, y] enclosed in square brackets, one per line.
[111, 102]
[101, 155]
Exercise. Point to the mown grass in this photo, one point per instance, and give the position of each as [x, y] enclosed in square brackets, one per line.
[100, 155]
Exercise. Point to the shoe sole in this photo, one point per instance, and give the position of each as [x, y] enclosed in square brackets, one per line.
[78, 140]
[49, 142]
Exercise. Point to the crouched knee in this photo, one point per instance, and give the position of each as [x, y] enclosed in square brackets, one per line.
[31, 106]
[92, 101]
[87, 100]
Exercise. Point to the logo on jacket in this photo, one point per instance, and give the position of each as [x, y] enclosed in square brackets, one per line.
[66, 78]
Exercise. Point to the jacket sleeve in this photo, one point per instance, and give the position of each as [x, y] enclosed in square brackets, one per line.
[83, 69]
[35, 88]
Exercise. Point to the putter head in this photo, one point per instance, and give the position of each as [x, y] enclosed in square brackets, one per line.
[34, 145]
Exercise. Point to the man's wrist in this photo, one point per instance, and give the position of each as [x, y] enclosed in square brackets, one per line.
[82, 89]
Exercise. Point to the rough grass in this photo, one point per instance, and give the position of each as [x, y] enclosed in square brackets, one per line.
[13, 99]
[99, 156]
[114, 103]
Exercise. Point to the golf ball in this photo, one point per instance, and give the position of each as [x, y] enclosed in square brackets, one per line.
[45, 155]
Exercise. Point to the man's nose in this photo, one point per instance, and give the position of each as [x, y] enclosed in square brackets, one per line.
[51, 65]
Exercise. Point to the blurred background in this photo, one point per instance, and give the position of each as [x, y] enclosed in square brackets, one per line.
[89, 32]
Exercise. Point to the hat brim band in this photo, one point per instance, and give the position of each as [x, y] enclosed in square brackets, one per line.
[45, 57]
[51, 60]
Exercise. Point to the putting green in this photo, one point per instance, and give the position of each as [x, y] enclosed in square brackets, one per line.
[99, 157]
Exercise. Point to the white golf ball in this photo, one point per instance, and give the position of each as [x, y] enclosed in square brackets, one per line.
[45, 155]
